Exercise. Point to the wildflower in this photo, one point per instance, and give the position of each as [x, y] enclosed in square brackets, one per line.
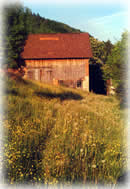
[94, 166]
[81, 150]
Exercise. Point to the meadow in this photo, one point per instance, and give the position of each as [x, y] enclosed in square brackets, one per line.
[60, 135]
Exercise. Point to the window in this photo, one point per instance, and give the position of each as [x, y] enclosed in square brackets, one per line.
[79, 83]
[30, 74]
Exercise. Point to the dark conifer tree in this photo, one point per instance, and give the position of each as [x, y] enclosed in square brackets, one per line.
[15, 35]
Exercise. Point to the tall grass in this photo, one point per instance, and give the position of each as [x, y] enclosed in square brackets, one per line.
[60, 135]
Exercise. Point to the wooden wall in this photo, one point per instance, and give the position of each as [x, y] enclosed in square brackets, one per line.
[62, 70]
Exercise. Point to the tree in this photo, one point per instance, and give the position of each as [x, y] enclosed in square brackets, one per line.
[116, 64]
[98, 51]
[15, 35]
[107, 48]
[101, 50]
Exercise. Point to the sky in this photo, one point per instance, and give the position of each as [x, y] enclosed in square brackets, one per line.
[104, 19]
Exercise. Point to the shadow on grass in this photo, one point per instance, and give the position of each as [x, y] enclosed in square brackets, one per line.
[62, 96]
[11, 92]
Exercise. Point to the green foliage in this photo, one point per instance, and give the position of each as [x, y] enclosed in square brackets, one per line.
[117, 61]
[37, 24]
[15, 35]
[49, 140]
[100, 50]
[116, 65]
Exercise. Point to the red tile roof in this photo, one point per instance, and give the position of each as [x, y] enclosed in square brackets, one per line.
[69, 45]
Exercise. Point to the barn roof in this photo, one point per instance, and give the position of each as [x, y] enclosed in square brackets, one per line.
[67, 45]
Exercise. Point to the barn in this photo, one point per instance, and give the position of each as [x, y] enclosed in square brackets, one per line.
[58, 59]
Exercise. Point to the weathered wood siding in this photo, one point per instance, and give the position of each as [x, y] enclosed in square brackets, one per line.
[70, 70]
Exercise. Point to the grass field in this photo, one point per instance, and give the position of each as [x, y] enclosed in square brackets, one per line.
[61, 135]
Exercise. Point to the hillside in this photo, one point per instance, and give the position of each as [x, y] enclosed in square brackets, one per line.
[56, 134]
[19, 23]
[38, 24]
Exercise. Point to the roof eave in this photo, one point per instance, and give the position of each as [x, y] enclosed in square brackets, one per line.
[24, 58]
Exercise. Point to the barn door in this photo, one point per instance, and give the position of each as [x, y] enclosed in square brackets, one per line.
[47, 75]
